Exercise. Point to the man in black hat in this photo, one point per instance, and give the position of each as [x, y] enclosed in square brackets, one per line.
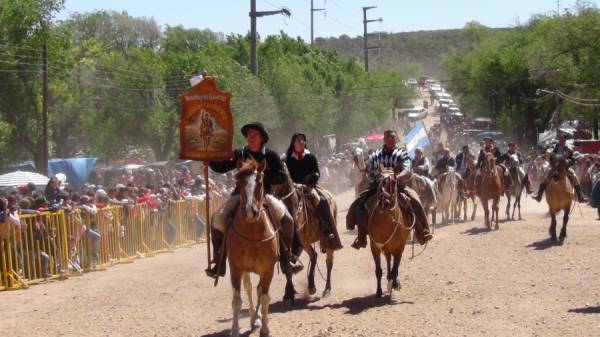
[563, 149]
[512, 150]
[489, 147]
[256, 138]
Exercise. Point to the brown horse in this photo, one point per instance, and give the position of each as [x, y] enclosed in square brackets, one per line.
[491, 188]
[387, 230]
[467, 191]
[252, 246]
[300, 202]
[559, 196]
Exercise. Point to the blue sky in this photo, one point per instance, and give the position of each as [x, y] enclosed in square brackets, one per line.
[341, 17]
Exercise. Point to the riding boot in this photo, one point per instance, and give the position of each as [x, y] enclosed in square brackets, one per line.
[218, 246]
[538, 196]
[422, 232]
[361, 239]
[579, 193]
[288, 260]
[327, 221]
[527, 183]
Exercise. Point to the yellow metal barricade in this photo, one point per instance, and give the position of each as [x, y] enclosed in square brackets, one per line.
[54, 245]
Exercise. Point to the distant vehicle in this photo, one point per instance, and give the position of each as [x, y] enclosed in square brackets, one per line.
[484, 123]
[411, 81]
[417, 114]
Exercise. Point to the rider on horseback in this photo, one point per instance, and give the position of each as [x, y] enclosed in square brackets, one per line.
[304, 169]
[563, 149]
[256, 138]
[421, 164]
[444, 162]
[489, 147]
[512, 150]
[390, 156]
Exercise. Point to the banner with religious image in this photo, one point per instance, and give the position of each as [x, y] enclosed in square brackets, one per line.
[206, 125]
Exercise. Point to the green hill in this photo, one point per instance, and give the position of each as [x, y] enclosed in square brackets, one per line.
[423, 47]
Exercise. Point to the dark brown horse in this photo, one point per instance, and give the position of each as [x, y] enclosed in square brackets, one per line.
[303, 210]
[252, 247]
[468, 190]
[387, 229]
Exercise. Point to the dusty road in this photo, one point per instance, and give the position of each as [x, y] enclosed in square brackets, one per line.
[469, 282]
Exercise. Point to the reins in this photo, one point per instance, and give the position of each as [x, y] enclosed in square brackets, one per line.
[274, 235]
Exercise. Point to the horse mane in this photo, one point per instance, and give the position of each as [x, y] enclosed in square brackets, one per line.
[248, 167]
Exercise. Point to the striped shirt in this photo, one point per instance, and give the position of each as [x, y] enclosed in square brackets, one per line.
[395, 158]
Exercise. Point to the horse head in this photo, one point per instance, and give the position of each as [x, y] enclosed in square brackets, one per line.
[386, 188]
[490, 165]
[249, 180]
[559, 166]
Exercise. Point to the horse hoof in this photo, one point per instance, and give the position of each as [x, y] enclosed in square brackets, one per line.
[264, 333]
[553, 238]
[396, 285]
[234, 333]
[326, 293]
[379, 294]
[289, 298]
[496, 227]
[312, 290]
[257, 324]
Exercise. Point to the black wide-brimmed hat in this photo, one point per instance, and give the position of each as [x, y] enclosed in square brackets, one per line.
[258, 127]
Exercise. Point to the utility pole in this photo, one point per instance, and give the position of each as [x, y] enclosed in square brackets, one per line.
[558, 7]
[366, 46]
[45, 102]
[312, 19]
[253, 15]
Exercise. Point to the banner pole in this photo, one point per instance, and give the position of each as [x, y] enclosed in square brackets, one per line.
[207, 212]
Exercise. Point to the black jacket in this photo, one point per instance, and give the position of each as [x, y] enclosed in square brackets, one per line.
[481, 158]
[305, 170]
[274, 173]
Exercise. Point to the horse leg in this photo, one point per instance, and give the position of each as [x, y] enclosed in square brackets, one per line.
[264, 299]
[389, 274]
[563, 230]
[236, 303]
[465, 209]
[329, 260]
[312, 254]
[474, 208]
[248, 289]
[378, 271]
[552, 230]
[486, 212]
[496, 210]
[395, 271]
[508, 207]
[290, 291]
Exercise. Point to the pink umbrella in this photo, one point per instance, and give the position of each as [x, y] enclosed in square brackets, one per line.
[374, 136]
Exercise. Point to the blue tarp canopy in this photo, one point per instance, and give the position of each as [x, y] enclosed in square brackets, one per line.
[77, 170]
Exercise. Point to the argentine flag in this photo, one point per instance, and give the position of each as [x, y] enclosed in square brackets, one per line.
[417, 137]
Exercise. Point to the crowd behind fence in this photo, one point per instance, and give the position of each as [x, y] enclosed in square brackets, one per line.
[56, 245]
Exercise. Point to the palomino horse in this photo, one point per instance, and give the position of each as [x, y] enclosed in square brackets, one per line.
[491, 188]
[387, 230]
[559, 195]
[516, 189]
[448, 185]
[300, 202]
[427, 191]
[252, 247]
[468, 190]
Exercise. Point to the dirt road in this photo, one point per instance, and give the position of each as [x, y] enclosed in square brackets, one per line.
[469, 282]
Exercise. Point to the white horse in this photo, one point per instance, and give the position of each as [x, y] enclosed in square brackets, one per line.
[537, 171]
[427, 192]
[361, 180]
[448, 187]
[517, 173]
